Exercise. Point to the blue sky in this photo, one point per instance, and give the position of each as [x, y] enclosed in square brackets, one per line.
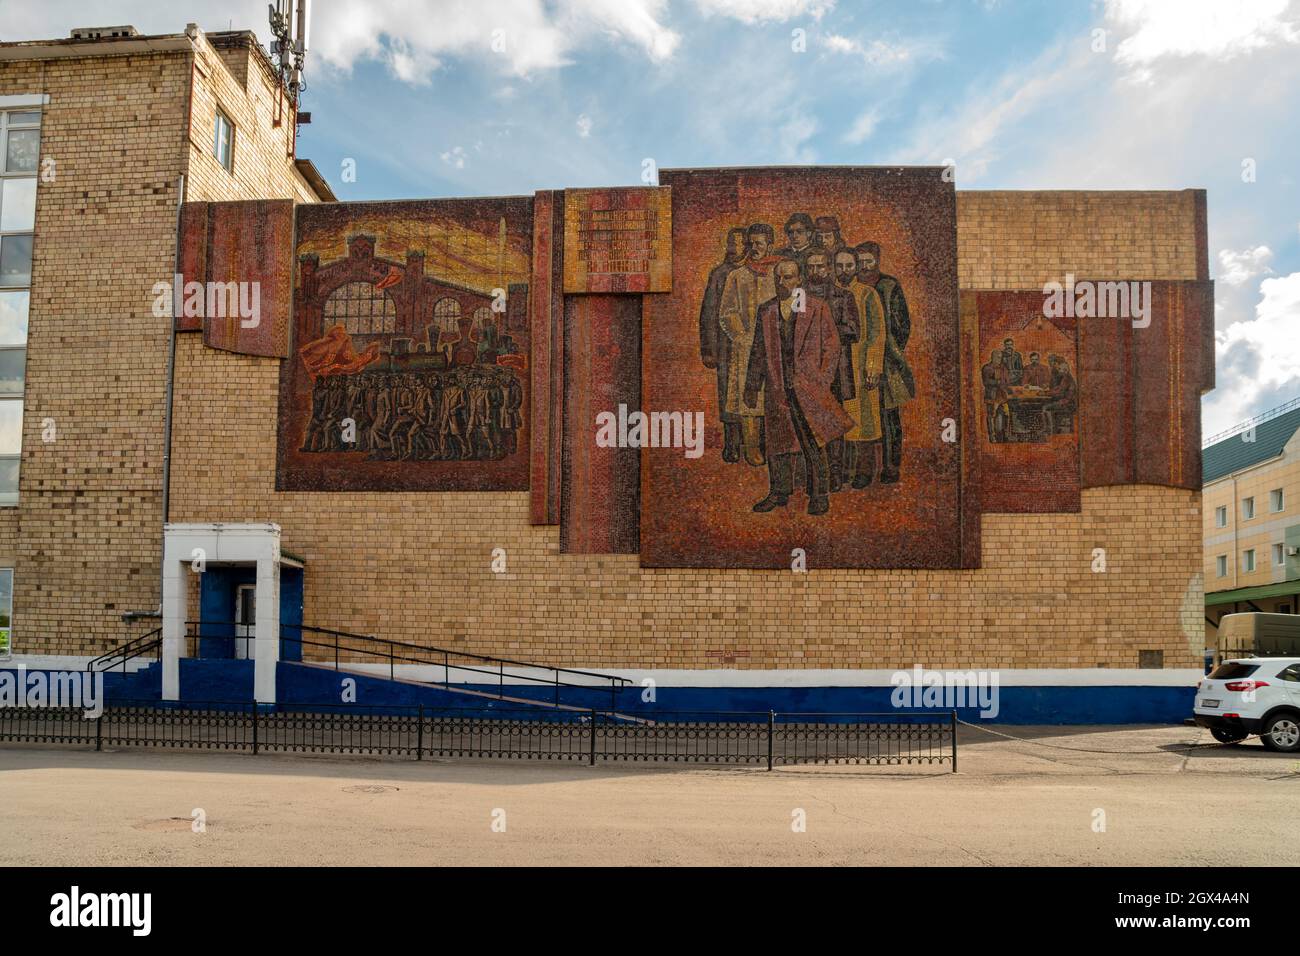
[493, 97]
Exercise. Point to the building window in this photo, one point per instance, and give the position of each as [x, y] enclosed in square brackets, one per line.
[1221, 565]
[6, 611]
[20, 134]
[1276, 500]
[1248, 560]
[363, 309]
[1284, 609]
[1247, 508]
[223, 141]
[1221, 516]
[1279, 554]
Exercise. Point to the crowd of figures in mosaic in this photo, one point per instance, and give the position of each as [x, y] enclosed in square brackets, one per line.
[468, 413]
[809, 345]
[1027, 400]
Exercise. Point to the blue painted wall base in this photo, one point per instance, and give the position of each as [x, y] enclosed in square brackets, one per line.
[226, 680]
[299, 684]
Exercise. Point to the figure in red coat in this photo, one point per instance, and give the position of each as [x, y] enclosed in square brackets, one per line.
[794, 358]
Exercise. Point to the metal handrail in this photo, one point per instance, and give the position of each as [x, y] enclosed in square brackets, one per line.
[1259, 419]
[127, 652]
[390, 654]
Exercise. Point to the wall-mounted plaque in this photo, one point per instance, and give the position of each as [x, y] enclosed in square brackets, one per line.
[618, 240]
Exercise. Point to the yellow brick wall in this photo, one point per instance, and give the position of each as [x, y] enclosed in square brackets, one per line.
[85, 537]
[1010, 239]
[85, 534]
[233, 79]
[416, 567]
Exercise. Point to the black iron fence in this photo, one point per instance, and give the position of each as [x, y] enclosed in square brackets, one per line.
[754, 739]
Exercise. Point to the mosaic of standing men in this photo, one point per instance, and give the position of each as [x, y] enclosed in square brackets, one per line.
[807, 341]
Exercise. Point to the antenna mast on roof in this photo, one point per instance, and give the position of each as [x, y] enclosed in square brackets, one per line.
[290, 46]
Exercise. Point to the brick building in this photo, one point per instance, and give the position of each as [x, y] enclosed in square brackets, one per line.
[1252, 542]
[126, 123]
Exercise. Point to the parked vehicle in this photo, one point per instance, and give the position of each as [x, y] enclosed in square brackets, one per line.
[1252, 695]
[1260, 634]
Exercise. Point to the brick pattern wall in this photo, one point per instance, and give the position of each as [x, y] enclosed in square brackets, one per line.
[86, 530]
[416, 567]
[1020, 240]
[233, 79]
[86, 535]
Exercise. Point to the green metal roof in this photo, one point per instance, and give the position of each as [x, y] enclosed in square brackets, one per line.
[1281, 589]
[1233, 453]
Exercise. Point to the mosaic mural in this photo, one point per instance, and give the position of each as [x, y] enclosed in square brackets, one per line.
[409, 367]
[813, 320]
[739, 368]
[1023, 374]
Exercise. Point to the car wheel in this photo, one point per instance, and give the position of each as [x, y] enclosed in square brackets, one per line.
[1227, 736]
[1282, 733]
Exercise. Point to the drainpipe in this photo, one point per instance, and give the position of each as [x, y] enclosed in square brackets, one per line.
[171, 383]
[1236, 525]
[130, 616]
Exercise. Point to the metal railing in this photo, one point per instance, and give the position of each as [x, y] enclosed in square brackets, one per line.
[337, 646]
[697, 737]
[137, 646]
[1257, 420]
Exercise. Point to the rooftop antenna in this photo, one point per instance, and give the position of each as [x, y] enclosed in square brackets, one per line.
[290, 45]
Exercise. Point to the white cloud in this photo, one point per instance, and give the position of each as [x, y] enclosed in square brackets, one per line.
[759, 11]
[454, 157]
[793, 140]
[584, 125]
[879, 52]
[520, 37]
[863, 126]
[1264, 352]
[1189, 28]
[1238, 267]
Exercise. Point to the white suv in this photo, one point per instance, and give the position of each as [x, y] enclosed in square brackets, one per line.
[1252, 695]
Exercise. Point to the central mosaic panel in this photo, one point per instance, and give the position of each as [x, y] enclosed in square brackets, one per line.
[813, 318]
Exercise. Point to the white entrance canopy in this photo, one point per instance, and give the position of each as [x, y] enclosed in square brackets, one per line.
[188, 549]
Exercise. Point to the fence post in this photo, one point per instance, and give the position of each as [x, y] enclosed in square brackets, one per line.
[771, 720]
[593, 737]
[954, 741]
[255, 728]
[99, 742]
[419, 735]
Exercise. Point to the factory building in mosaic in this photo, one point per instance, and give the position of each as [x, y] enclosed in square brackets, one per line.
[755, 434]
